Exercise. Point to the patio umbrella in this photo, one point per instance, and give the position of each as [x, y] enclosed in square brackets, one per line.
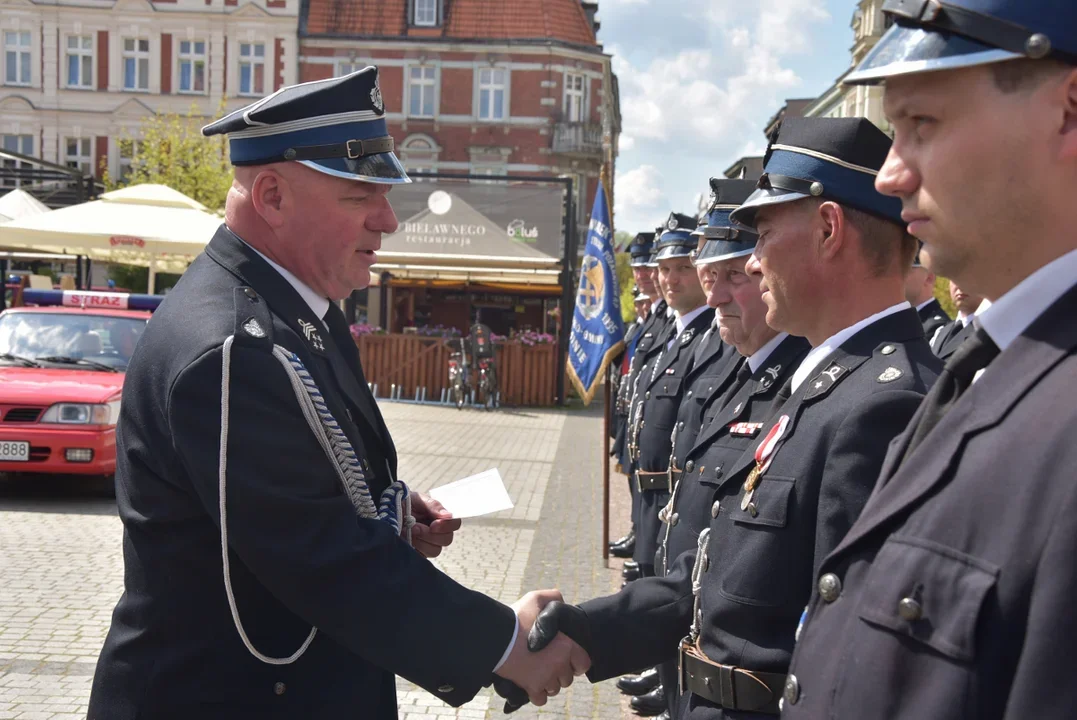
[18, 204]
[149, 225]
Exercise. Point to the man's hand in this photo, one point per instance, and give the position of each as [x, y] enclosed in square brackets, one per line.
[542, 674]
[434, 525]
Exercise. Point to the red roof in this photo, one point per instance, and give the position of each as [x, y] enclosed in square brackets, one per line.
[563, 20]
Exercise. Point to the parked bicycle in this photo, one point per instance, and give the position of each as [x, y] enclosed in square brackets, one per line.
[460, 375]
[482, 345]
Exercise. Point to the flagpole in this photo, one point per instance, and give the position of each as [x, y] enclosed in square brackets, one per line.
[606, 467]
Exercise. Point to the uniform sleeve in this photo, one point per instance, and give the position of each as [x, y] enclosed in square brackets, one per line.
[1043, 684]
[853, 464]
[641, 625]
[290, 523]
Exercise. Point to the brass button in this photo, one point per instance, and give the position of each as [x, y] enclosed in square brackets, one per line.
[279, 688]
[792, 690]
[715, 509]
[829, 587]
[889, 350]
[752, 509]
[249, 292]
[717, 472]
[674, 519]
[445, 689]
[909, 609]
[690, 466]
[648, 396]
[680, 425]
[689, 393]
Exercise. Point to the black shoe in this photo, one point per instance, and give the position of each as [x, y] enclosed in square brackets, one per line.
[651, 704]
[627, 538]
[624, 549]
[665, 716]
[628, 574]
[641, 684]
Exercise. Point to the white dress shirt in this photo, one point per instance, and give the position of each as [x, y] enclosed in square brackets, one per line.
[320, 306]
[1011, 314]
[684, 321]
[965, 318]
[818, 354]
[756, 359]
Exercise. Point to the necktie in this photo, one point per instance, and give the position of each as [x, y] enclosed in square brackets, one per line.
[744, 374]
[975, 354]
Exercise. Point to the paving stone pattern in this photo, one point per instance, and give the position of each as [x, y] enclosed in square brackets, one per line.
[61, 566]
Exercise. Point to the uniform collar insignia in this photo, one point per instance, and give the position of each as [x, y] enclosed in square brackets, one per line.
[687, 336]
[825, 381]
[254, 329]
[311, 333]
[770, 376]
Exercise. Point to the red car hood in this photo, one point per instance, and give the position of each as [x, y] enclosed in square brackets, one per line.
[41, 386]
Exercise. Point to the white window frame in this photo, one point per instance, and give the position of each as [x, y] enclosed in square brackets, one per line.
[422, 85]
[82, 53]
[22, 54]
[484, 110]
[140, 60]
[573, 99]
[345, 66]
[128, 150]
[193, 58]
[419, 153]
[80, 158]
[19, 140]
[429, 16]
[253, 60]
[490, 169]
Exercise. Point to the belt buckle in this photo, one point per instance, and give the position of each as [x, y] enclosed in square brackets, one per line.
[352, 154]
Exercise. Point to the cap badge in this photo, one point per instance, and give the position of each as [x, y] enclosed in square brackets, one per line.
[816, 189]
[671, 224]
[1038, 46]
[890, 374]
[375, 97]
[311, 334]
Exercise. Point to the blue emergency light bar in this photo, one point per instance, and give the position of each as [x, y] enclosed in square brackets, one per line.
[92, 300]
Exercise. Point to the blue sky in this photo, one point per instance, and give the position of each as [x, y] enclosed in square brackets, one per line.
[700, 78]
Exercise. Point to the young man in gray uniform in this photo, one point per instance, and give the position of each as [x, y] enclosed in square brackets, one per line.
[952, 595]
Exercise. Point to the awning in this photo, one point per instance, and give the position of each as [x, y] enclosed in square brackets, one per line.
[19, 204]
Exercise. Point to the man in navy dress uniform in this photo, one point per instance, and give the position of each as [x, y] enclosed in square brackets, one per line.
[952, 595]
[920, 292]
[831, 259]
[274, 563]
[949, 337]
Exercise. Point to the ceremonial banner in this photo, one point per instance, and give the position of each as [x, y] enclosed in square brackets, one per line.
[597, 329]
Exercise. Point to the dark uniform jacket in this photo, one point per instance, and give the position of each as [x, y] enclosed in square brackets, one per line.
[662, 386]
[620, 415]
[933, 317]
[950, 339]
[957, 583]
[760, 564]
[652, 328]
[298, 553]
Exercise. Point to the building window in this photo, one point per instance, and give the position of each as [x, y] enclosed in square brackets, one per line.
[347, 67]
[575, 96]
[422, 84]
[17, 58]
[192, 66]
[129, 152]
[252, 68]
[136, 64]
[78, 153]
[489, 170]
[426, 13]
[23, 144]
[80, 61]
[492, 85]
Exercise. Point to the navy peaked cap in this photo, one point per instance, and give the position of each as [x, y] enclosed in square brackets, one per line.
[676, 239]
[932, 35]
[722, 239]
[335, 126]
[641, 248]
[834, 159]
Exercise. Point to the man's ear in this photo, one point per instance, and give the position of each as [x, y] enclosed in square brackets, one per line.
[271, 196]
[832, 226]
[1069, 119]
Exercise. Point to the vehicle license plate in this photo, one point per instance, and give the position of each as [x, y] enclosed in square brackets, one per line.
[15, 450]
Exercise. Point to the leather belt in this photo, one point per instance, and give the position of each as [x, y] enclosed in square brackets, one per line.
[729, 687]
[653, 480]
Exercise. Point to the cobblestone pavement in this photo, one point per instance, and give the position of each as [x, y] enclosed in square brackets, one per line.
[61, 566]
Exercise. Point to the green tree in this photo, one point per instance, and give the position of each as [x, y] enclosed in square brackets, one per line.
[170, 150]
[942, 294]
[621, 240]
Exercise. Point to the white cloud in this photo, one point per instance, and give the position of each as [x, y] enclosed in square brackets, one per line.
[638, 189]
[626, 142]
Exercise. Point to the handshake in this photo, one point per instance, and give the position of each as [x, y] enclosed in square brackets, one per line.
[551, 649]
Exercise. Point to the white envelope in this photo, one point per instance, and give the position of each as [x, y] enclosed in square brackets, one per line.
[473, 496]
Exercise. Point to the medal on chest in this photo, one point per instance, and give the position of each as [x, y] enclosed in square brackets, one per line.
[764, 454]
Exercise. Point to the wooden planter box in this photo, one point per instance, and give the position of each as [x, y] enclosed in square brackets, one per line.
[527, 374]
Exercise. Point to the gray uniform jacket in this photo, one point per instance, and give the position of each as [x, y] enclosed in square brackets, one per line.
[957, 583]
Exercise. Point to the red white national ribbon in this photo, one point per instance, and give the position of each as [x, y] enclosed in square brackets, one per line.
[765, 452]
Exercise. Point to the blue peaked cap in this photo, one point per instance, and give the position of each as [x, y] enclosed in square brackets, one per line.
[335, 126]
[932, 35]
[834, 159]
[676, 239]
[723, 240]
[641, 248]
